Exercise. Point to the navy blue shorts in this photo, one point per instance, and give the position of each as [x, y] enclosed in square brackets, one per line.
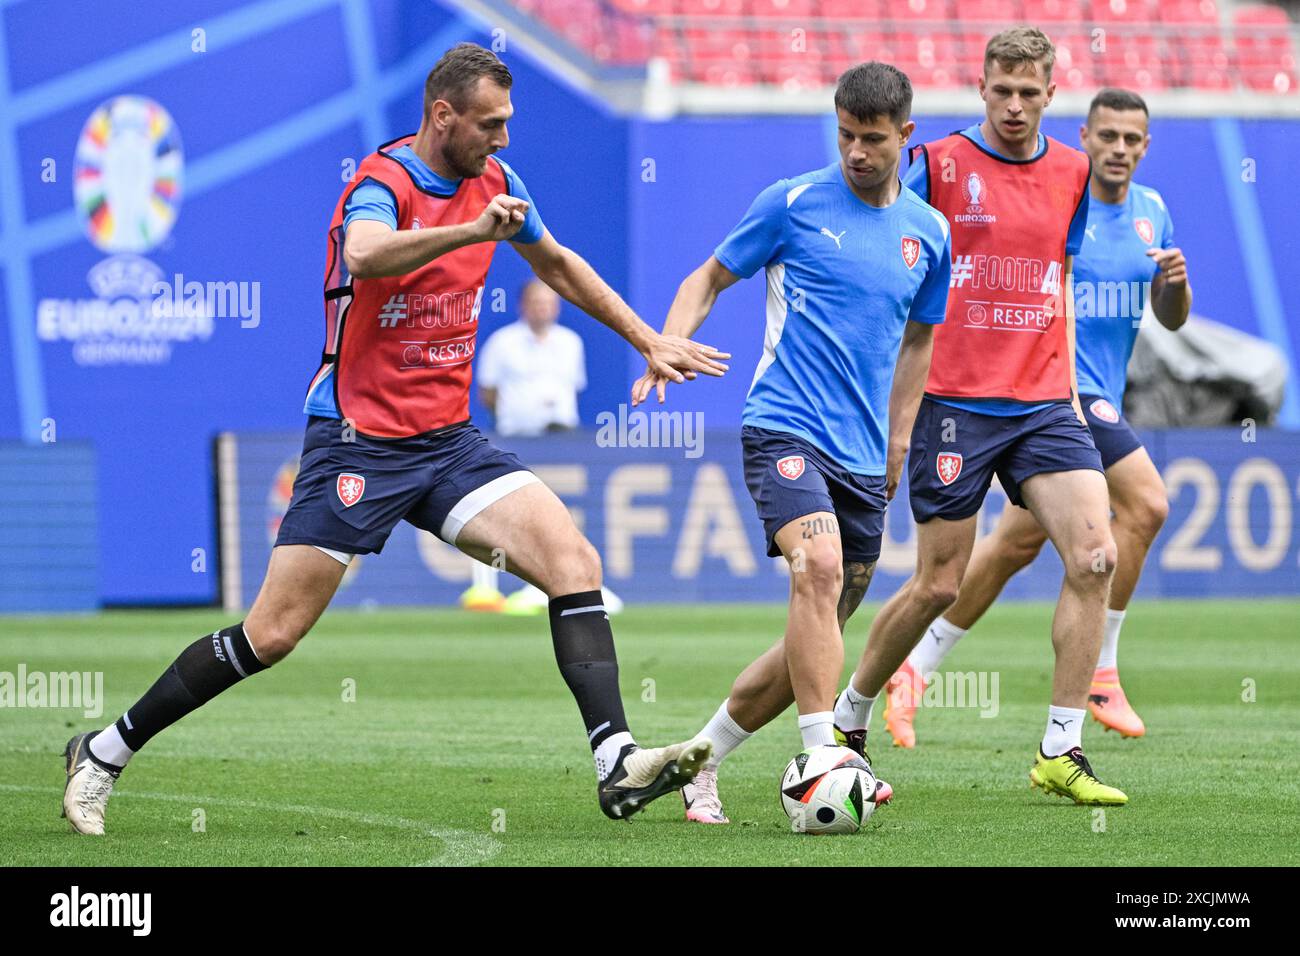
[349, 495]
[1111, 432]
[789, 478]
[949, 478]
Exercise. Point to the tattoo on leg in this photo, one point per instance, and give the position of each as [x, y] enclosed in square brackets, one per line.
[815, 526]
[857, 577]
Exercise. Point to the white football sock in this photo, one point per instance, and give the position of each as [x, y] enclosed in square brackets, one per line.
[1064, 730]
[1110, 639]
[484, 576]
[939, 638]
[109, 747]
[725, 734]
[852, 710]
[818, 729]
[606, 754]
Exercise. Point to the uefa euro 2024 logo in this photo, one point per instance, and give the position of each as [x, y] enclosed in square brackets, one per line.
[128, 176]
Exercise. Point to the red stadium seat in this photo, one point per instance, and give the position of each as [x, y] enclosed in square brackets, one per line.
[898, 11]
[1123, 11]
[1044, 13]
[1265, 57]
[991, 12]
[851, 9]
[1076, 64]
[1189, 11]
[929, 59]
[782, 9]
[648, 8]
[712, 8]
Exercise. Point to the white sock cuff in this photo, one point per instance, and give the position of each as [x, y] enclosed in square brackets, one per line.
[1115, 616]
[854, 697]
[947, 630]
[821, 717]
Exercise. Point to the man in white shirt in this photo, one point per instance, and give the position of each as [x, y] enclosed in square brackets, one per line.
[529, 375]
[531, 371]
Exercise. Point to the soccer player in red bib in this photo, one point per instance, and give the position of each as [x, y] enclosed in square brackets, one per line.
[1002, 398]
[389, 436]
[1128, 246]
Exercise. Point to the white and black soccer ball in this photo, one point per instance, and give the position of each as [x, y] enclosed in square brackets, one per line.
[828, 790]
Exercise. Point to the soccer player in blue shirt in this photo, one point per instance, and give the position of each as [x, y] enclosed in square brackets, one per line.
[1128, 256]
[857, 271]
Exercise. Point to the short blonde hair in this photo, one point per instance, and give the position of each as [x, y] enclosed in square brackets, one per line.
[1019, 46]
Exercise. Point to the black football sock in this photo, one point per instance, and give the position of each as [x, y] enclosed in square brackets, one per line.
[207, 667]
[584, 649]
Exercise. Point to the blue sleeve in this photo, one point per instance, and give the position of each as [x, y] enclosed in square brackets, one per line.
[1079, 224]
[370, 200]
[757, 239]
[533, 229]
[931, 301]
[1167, 240]
[917, 178]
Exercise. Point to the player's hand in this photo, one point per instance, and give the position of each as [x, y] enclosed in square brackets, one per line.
[1172, 265]
[677, 359]
[503, 217]
[642, 386]
[894, 469]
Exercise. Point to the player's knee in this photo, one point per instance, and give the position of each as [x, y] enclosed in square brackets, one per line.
[1019, 553]
[572, 568]
[1147, 515]
[818, 571]
[272, 642]
[1092, 564]
[935, 595]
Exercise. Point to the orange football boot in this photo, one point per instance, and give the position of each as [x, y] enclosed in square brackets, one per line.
[902, 695]
[1109, 704]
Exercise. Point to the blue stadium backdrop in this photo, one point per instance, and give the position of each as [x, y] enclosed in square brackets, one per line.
[259, 109]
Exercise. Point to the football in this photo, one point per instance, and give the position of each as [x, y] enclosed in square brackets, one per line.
[828, 790]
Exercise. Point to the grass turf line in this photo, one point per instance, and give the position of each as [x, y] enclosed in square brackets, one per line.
[464, 747]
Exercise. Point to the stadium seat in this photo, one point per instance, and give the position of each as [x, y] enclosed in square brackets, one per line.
[987, 13]
[1076, 64]
[648, 8]
[1188, 11]
[851, 9]
[901, 11]
[1265, 57]
[800, 10]
[711, 8]
[1044, 13]
[1122, 11]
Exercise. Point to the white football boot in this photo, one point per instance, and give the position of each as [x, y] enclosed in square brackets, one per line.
[85, 795]
[703, 805]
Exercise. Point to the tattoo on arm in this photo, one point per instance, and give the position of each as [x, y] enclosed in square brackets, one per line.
[857, 576]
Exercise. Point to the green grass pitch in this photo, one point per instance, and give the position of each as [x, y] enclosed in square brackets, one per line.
[462, 746]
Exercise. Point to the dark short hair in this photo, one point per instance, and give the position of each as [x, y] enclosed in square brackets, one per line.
[875, 89]
[454, 77]
[1112, 97]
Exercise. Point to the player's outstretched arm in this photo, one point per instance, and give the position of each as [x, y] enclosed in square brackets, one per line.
[372, 249]
[1171, 294]
[574, 279]
[691, 306]
[910, 373]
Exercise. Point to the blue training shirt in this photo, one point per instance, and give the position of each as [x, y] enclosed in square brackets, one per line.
[919, 182]
[1112, 282]
[842, 279]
